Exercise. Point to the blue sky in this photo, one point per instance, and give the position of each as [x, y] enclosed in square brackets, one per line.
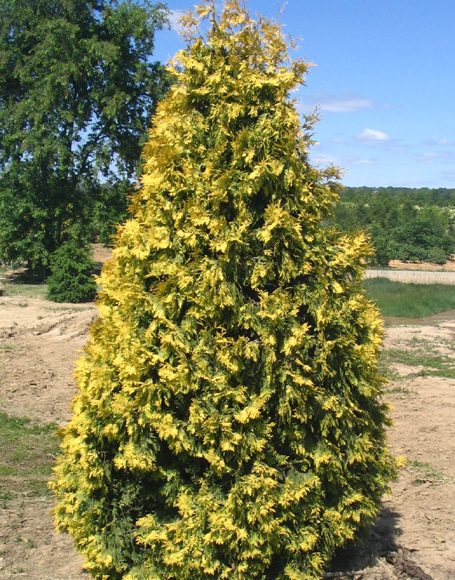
[384, 84]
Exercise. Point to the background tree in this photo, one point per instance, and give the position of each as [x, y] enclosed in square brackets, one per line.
[77, 88]
[413, 225]
[229, 421]
[71, 276]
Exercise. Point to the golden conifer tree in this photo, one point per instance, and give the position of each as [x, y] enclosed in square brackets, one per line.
[229, 421]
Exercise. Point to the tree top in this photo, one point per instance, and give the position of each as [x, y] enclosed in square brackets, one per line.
[233, 31]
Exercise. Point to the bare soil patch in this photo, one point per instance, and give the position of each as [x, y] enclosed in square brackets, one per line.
[415, 535]
[40, 342]
[424, 266]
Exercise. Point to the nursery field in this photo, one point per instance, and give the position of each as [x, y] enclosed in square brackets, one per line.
[39, 342]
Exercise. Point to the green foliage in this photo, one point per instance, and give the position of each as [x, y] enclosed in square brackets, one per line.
[110, 210]
[411, 225]
[421, 196]
[72, 269]
[77, 87]
[436, 255]
[410, 300]
[229, 422]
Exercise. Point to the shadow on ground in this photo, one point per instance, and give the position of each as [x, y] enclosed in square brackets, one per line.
[376, 543]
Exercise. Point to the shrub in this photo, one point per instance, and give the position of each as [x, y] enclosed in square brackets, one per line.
[383, 251]
[229, 421]
[71, 278]
[409, 253]
[436, 255]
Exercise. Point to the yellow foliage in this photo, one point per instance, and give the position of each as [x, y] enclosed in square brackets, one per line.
[228, 421]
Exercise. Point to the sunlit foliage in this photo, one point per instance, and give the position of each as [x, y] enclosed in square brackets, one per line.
[229, 421]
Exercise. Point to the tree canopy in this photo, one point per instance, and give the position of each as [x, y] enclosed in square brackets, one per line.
[413, 225]
[77, 88]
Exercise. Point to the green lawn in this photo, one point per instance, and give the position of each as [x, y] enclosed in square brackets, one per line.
[410, 300]
[26, 290]
[27, 454]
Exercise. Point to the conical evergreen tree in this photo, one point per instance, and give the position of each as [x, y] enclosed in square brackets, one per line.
[229, 421]
[72, 268]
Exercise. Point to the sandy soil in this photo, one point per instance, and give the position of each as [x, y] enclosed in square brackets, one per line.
[425, 266]
[44, 340]
[415, 535]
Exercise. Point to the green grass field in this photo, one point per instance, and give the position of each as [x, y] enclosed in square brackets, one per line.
[21, 284]
[27, 454]
[26, 290]
[410, 300]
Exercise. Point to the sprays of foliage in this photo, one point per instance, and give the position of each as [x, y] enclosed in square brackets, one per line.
[77, 87]
[229, 421]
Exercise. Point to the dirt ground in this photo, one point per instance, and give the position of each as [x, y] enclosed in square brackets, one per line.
[415, 535]
[425, 266]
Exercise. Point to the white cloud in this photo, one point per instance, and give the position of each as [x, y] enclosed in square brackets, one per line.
[327, 103]
[324, 160]
[440, 142]
[347, 105]
[436, 157]
[174, 19]
[362, 162]
[373, 136]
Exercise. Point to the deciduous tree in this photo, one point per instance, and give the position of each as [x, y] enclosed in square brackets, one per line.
[77, 87]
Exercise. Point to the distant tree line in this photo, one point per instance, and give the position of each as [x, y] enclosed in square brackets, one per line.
[412, 225]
